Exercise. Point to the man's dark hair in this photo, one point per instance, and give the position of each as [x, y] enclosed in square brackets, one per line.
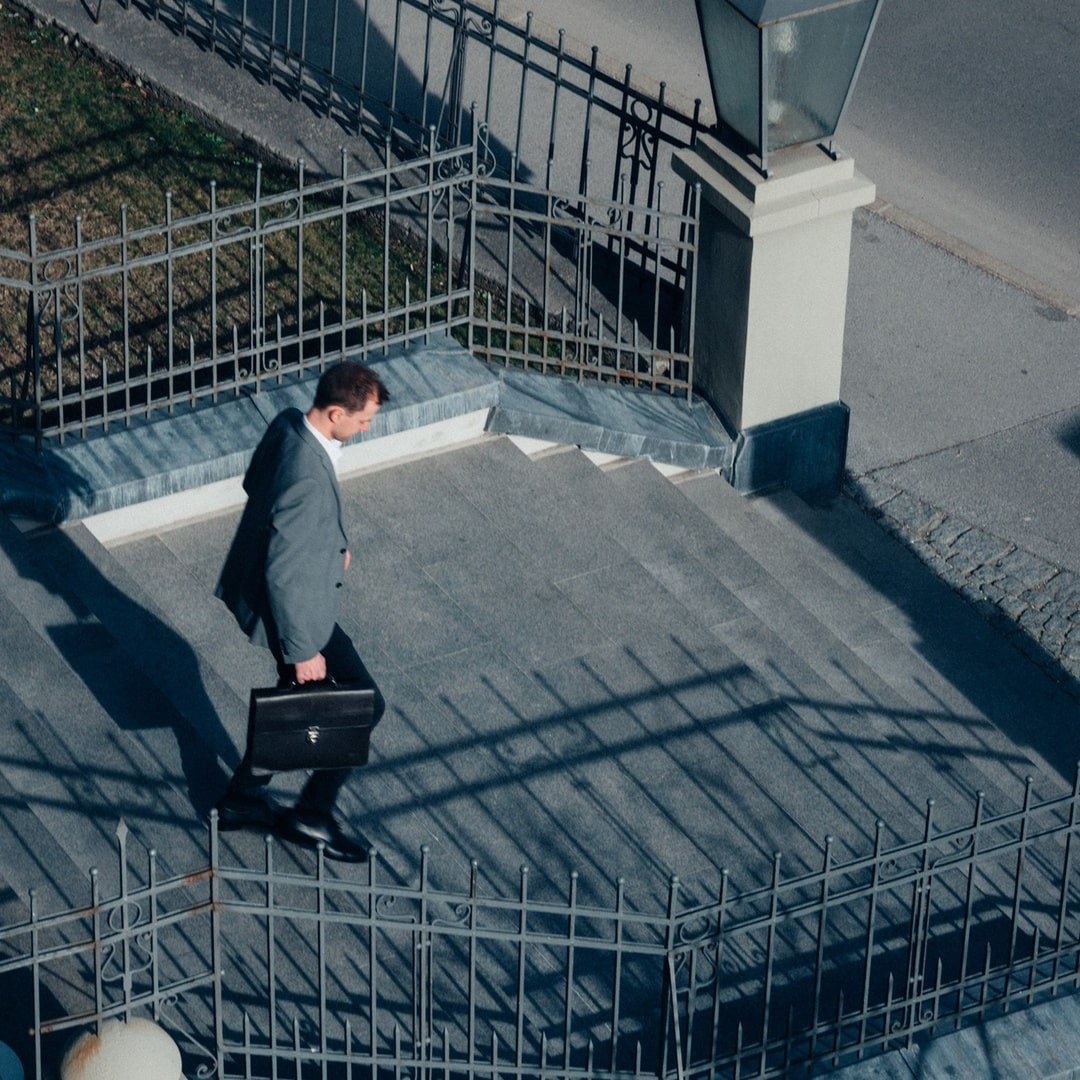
[350, 385]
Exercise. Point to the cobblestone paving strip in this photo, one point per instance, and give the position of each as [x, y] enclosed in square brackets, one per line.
[1035, 603]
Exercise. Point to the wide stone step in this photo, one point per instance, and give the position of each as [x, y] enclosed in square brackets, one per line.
[31, 857]
[63, 756]
[634, 510]
[169, 644]
[455, 765]
[861, 652]
[181, 610]
[851, 788]
[929, 617]
[634, 610]
[559, 643]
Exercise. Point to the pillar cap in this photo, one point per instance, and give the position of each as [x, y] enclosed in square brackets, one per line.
[806, 183]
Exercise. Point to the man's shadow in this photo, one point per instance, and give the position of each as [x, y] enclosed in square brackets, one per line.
[144, 675]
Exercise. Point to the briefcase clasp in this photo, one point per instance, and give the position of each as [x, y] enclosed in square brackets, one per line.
[313, 735]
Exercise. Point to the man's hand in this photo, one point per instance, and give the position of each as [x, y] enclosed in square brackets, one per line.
[312, 670]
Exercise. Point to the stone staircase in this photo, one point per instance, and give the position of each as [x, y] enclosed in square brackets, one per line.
[588, 669]
[643, 659]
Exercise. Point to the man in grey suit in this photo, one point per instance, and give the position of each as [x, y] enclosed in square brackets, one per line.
[282, 580]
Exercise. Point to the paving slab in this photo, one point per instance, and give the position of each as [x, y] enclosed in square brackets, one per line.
[1032, 470]
[30, 856]
[531, 617]
[963, 357]
[855, 746]
[669, 555]
[641, 731]
[81, 777]
[546, 524]
[685, 522]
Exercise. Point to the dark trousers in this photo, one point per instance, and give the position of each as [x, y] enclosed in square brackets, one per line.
[343, 664]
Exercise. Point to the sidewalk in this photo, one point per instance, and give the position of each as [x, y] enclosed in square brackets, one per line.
[965, 430]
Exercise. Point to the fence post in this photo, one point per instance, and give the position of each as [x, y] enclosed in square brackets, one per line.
[669, 993]
[455, 81]
[216, 961]
[32, 372]
[468, 242]
[773, 261]
[919, 928]
[33, 339]
[255, 310]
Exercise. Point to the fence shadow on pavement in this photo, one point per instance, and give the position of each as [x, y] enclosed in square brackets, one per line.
[1070, 434]
[1031, 698]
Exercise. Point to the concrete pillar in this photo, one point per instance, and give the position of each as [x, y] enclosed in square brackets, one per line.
[771, 300]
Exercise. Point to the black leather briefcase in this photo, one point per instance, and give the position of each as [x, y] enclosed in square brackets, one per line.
[321, 725]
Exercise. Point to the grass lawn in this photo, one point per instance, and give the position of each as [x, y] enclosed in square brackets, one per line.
[79, 139]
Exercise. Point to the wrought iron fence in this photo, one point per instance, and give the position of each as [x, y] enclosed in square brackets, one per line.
[181, 312]
[586, 285]
[187, 310]
[294, 972]
[523, 175]
[410, 67]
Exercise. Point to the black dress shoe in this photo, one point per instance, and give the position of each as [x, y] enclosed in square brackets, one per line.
[309, 829]
[238, 811]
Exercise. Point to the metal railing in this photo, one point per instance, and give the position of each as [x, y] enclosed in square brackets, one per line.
[184, 311]
[290, 971]
[527, 175]
[586, 285]
[407, 67]
[192, 308]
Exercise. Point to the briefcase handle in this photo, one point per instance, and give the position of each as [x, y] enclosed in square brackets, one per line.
[317, 684]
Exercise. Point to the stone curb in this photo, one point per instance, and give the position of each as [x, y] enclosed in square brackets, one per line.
[429, 384]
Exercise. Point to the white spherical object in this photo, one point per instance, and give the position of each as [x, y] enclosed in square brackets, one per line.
[136, 1050]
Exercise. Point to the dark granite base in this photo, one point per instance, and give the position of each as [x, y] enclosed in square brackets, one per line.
[804, 452]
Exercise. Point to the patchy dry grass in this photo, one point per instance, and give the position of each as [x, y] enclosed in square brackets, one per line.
[79, 141]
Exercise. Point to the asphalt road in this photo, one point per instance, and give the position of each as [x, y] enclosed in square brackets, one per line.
[967, 114]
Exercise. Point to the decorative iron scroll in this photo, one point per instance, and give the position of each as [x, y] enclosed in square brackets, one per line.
[637, 137]
[465, 24]
[208, 1068]
[124, 920]
[471, 22]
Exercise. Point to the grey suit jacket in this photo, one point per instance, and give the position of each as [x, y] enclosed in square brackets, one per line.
[283, 576]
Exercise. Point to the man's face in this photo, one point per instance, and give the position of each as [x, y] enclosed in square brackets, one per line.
[346, 424]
